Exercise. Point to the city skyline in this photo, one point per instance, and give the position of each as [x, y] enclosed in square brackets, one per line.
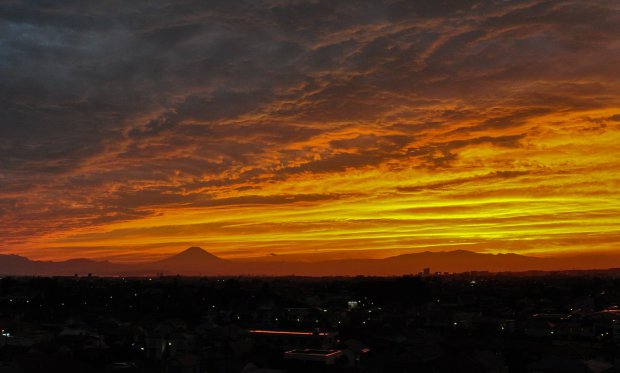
[309, 130]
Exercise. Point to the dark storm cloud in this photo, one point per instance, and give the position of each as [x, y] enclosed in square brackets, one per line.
[125, 100]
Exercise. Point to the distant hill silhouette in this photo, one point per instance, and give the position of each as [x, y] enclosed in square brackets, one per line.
[16, 265]
[196, 261]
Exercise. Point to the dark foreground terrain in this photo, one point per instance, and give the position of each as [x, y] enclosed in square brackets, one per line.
[475, 322]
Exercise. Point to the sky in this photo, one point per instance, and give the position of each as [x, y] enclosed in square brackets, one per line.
[308, 129]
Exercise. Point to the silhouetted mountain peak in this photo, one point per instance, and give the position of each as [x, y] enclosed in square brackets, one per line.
[193, 260]
[194, 250]
[194, 253]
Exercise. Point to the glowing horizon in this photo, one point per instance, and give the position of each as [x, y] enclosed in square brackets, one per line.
[311, 130]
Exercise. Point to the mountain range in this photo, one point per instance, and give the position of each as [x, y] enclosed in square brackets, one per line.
[196, 261]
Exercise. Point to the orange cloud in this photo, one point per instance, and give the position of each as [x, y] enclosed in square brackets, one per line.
[325, 130]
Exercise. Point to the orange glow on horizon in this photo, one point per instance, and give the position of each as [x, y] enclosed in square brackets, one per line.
[494, 128]
[528, 199]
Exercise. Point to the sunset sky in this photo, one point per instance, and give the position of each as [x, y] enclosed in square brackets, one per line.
[316, 129]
